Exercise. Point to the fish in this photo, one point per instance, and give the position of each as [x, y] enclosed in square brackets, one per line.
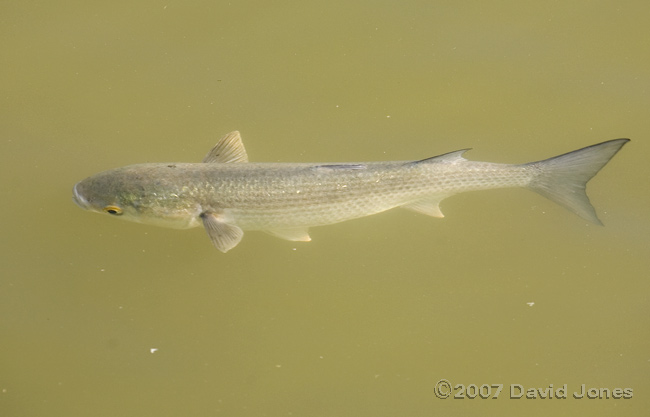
[227, 194]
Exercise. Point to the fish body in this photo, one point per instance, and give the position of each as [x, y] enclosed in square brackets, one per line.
[227, 194]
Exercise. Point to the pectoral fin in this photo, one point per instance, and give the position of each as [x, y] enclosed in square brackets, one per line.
[297, 234]
[430, 206]
[224, 236]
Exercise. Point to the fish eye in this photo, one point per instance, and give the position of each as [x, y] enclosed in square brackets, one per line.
[114, 210]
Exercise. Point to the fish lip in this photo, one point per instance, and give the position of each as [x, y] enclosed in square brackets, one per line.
[78, 198]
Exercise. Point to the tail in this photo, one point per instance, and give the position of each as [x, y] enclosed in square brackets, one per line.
[564, 178]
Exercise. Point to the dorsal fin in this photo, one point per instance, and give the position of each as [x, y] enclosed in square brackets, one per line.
[451, 157]
[229, 149]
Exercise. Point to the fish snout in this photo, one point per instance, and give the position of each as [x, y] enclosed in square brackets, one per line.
[78, 198]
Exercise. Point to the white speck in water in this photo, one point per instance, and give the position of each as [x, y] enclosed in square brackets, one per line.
[153, 350]
[530, 304]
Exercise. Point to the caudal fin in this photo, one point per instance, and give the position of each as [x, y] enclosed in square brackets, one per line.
[564, 178]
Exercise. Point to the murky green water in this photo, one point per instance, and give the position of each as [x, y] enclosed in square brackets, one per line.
[107, 318]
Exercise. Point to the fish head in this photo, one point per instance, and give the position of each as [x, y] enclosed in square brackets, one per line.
[136, 193]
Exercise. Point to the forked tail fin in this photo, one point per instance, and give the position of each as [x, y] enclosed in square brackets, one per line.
[564, 178]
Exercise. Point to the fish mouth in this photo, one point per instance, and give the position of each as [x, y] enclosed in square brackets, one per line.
[78, 198]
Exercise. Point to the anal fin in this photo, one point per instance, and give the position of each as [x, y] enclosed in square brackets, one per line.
[224, 236]
[429, 206]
